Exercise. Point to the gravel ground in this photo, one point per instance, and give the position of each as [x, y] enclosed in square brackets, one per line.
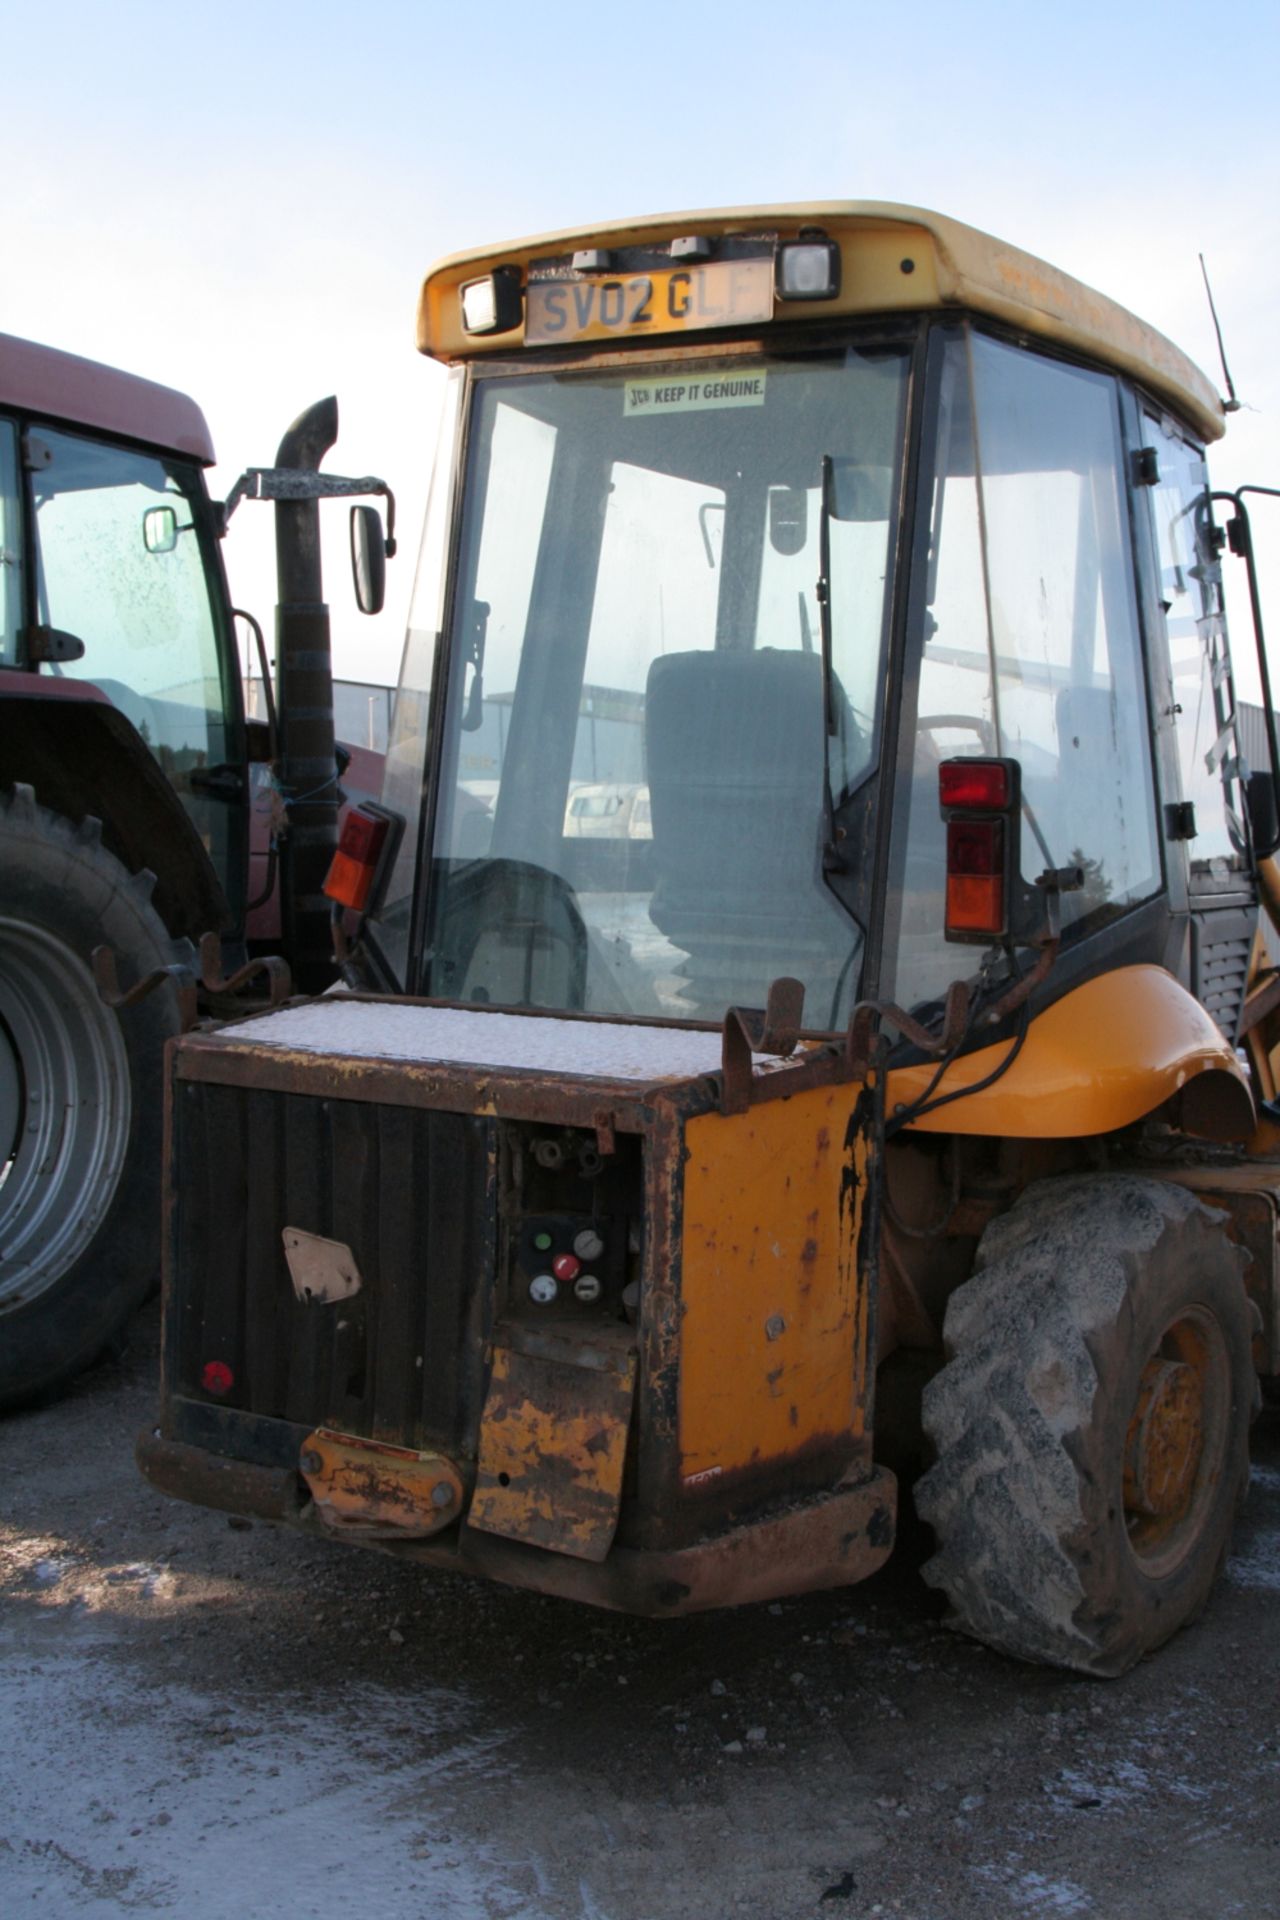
[231, 1721]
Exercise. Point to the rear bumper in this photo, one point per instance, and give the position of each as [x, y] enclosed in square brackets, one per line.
[832, 1541]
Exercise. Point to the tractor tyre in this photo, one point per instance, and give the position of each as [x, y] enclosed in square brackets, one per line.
[81, 1097]
[1090, 1427]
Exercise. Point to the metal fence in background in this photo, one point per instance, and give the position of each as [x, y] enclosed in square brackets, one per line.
[361, 711]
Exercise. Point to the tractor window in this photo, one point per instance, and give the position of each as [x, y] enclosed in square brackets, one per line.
[10, 546]
[1029, 645]
[1203, 695]
[122, 565]
[631, 810]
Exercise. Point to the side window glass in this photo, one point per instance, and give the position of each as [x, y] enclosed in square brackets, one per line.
[120, 566]
[1202, 692]
[10, 545]
[519, 456]
[1030, 646]
[1070, 687]
[405, 767]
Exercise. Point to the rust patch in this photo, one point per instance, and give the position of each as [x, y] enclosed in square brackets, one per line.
[379, 1492]
[553, 1439]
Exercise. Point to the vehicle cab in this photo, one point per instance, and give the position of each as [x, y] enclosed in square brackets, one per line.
[771, 513]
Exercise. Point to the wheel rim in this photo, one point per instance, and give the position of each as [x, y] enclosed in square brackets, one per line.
[64, 1073]
[1176, 1443]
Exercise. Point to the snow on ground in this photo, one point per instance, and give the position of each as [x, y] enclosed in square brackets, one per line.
[163, 1799]
[225, 1722]
[1257, 1564]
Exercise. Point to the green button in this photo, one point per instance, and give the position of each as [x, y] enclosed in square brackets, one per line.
[542, 1241]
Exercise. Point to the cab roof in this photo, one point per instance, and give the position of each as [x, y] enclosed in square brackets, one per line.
[895, 259]
[83, 393]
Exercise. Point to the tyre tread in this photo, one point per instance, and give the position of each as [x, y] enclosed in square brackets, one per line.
[1010, 1413]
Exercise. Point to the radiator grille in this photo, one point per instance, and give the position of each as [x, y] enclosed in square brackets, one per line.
[410, 1192]
[1221, 946]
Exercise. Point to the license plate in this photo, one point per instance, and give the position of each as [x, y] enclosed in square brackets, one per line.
[724, 293]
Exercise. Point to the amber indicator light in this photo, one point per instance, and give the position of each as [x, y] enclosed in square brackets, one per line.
[351, 872]
[975, 877]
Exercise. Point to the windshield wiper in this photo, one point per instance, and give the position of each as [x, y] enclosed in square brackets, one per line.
[833, 860]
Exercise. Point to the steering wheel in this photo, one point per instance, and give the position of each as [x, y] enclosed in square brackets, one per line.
[969, 722]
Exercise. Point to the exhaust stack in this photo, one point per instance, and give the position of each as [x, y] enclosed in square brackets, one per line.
[308, 771]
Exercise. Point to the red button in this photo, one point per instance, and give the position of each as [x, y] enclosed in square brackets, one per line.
[217, 1377]
[566, 1266]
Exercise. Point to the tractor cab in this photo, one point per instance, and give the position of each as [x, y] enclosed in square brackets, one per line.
[765, 533]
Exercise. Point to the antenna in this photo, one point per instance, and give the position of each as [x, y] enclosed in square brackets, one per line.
[1231, 405]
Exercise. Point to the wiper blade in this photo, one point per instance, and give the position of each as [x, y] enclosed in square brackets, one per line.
[833, 859]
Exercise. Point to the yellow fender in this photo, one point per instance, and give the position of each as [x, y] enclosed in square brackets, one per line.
[1100, 1058]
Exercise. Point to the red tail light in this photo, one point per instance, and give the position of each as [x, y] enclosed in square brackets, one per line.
[351, 873]
[984, 785]
[216, 1377]
[980, 799]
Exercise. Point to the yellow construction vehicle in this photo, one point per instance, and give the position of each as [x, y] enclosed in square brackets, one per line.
[653, 1194]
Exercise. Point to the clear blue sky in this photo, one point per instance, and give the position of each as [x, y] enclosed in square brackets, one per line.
[241, 200]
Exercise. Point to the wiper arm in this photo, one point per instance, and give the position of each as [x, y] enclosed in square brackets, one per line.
[833, 860]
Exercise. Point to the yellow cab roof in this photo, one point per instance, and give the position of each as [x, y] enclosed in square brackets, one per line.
[895, 259]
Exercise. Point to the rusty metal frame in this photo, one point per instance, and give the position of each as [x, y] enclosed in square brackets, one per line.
[831, 1541]
[661, 1512]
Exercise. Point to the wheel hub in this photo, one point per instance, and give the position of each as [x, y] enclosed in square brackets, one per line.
[1165, 1441]
[62, 1056]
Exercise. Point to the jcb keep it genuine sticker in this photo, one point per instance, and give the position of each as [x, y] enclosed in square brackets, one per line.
[665, 394]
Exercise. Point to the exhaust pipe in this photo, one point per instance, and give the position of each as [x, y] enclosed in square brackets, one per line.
[304, 672]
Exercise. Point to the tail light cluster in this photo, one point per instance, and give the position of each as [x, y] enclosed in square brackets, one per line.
[980, 801]
[365, 847]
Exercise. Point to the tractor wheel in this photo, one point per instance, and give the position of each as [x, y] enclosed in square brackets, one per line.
[1091, 1424]
[81, 1097]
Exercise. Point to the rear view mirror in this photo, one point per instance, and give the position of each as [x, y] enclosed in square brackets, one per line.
[368, 559]
[159, 529]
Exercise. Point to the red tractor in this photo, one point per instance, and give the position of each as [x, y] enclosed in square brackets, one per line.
[125, 808]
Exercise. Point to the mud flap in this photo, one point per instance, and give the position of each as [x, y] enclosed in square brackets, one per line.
[553, 1440]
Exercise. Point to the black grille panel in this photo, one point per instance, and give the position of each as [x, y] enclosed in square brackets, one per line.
[410, 1192]
[1221, 946]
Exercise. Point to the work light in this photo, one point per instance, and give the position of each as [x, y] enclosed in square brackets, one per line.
[808, 270]
[492, 305]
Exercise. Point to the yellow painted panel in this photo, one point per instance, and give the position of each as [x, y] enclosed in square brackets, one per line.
[773, 1325]
[1100, 1058]
[952, 265]
[553, 1440]
[378, 1492]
